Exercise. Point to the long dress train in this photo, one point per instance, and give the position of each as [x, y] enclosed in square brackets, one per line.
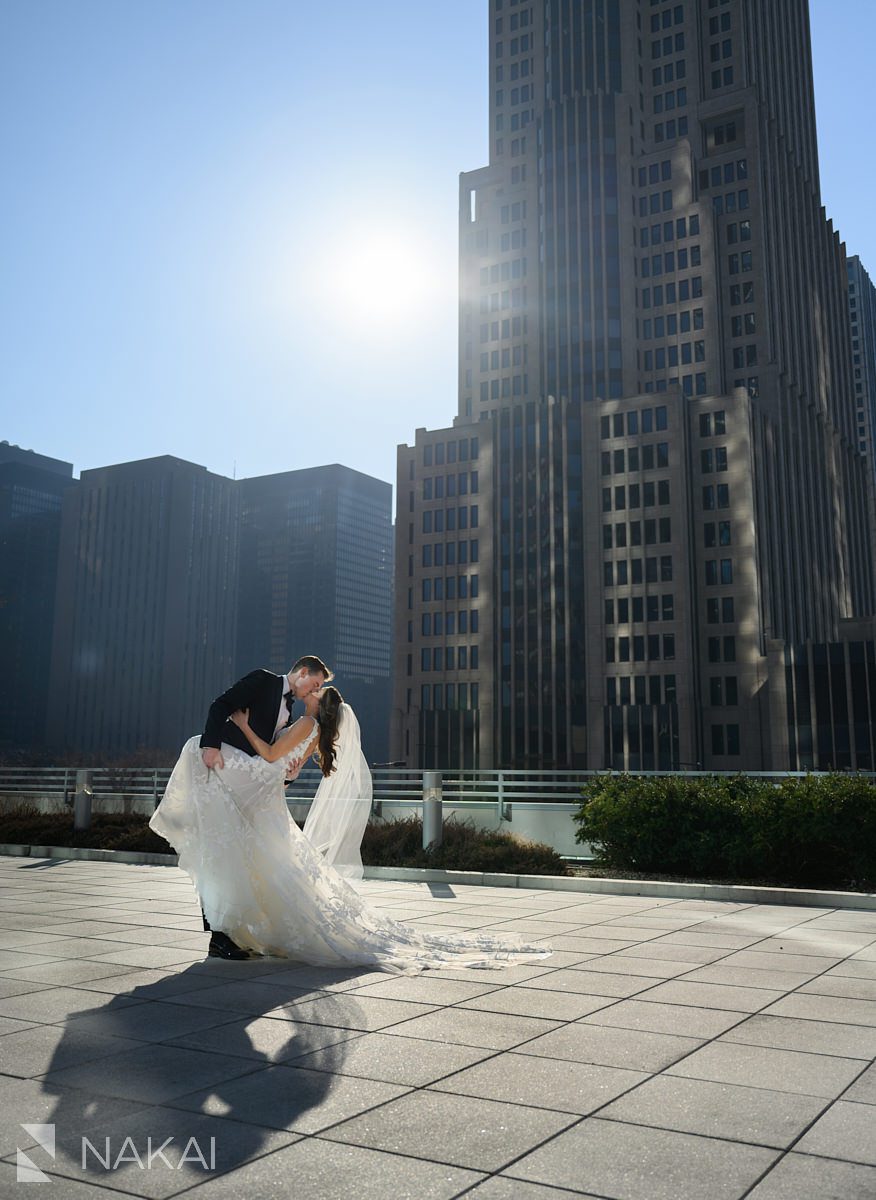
[262, 883]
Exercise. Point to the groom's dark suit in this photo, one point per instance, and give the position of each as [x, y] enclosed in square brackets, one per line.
[261, 692]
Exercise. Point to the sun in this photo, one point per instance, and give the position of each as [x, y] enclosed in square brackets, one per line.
[379, 279]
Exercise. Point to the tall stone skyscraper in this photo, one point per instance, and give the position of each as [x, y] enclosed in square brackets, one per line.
[656, 406]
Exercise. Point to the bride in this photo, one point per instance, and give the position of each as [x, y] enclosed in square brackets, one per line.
[262, 882]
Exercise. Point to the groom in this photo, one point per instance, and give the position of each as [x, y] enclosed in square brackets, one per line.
[269, 698]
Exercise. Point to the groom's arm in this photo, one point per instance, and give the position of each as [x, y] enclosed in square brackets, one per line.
[240, 695]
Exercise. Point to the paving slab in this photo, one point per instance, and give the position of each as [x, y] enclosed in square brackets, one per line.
[632, 1048]
[651, 1017]
[802, 1177]
[764, 1067]
[847, 1131]
[863, 1090]
[392, 1059]
[268, 1039]
[323, 1170]
[483, 1135]
[742, 1114]
[502, 1187]
[151, 1074]
[524, 1001]
[41, 1048]
[816, 1037]
[632, 1162]
[285, 1096]
[571, 1087]
[467, 1027]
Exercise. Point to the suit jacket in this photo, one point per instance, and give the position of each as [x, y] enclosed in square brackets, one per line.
[261, 692]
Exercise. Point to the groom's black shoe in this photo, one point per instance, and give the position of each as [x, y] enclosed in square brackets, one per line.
[221, 946]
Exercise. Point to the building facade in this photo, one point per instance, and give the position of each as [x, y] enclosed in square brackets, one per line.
[656, 366]
[32, 489]
[316, 578]
[146, 608]
[823, 698]
[862, 318]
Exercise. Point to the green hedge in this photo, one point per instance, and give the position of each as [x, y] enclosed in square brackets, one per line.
[24, 825]
[463, 848]
[811, 831]
[386, 844]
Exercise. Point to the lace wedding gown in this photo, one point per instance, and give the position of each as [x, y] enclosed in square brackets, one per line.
[265, 885]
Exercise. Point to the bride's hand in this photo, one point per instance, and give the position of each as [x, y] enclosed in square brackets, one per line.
[240, 718]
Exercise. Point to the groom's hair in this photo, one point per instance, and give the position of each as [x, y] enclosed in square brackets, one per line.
[313, 665]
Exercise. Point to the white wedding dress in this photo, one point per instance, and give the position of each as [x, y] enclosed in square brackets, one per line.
[263, 883]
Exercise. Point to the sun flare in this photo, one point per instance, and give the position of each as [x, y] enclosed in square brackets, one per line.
[379, 279]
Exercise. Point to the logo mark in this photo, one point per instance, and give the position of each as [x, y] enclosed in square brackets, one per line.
[25, 1169]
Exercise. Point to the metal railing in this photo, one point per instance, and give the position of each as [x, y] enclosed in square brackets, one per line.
[394, 787]
[61, 781]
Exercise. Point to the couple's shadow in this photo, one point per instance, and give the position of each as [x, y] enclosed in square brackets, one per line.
[201, 1064]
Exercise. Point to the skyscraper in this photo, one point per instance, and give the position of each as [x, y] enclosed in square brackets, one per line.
[656, 372]
[32, 488]
[146, 606]
[316, 578]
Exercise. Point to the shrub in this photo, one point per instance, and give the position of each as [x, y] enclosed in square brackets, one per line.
[463, 848]
[815, 831]
[25, 825]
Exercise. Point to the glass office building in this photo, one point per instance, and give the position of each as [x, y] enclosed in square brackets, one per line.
[32, 488]
[316, 578]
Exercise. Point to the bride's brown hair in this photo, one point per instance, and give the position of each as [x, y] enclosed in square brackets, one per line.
[328, 715]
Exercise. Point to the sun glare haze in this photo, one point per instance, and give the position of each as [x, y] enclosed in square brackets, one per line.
[380, 282]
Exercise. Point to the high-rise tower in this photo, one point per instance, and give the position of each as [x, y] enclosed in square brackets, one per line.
[655, 367]
[146, 606]
[316, 578]
[32, 488]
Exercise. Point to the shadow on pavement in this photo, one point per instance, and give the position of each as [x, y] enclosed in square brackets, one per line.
[221, 1079]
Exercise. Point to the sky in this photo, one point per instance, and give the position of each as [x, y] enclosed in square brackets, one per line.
[228, 230]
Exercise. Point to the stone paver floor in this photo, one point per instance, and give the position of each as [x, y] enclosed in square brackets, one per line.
[669, 1050]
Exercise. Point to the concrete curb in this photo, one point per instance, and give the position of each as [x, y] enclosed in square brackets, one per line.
[735, 893]
[83, 853]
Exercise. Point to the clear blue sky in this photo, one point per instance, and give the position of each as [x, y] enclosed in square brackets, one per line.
[194, 190]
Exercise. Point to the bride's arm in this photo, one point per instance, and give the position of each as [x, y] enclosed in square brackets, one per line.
[273, 750]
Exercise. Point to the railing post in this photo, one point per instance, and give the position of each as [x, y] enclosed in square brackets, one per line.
[155, 787]
[500, 797]
[82, 801]
[433, 818]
